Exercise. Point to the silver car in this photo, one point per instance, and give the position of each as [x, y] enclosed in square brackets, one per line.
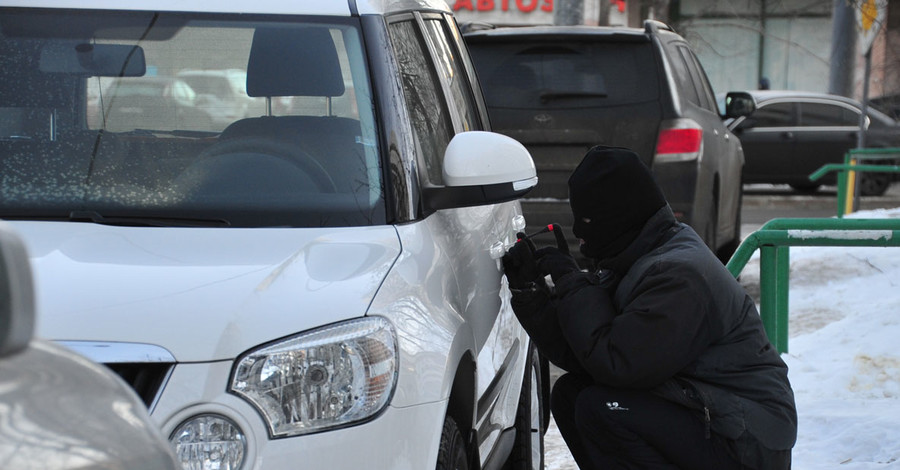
[59, 410]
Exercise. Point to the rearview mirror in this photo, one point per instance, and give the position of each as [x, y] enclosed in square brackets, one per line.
[739, 103]
[483, 168]
[93, 60]
[16, 293]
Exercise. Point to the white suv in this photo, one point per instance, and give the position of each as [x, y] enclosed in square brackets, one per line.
[316, 286]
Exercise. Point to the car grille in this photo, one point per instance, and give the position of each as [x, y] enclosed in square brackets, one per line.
[146, 379]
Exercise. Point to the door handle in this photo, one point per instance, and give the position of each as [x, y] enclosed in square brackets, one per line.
[787, 135]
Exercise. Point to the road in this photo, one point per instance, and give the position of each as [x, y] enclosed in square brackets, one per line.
[765, 202]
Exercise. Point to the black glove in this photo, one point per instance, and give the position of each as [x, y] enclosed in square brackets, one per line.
[555, 262]
[520, 265]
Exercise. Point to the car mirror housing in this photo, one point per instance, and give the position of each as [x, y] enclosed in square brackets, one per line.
[482, 168]
[739, 103]
[17, 310]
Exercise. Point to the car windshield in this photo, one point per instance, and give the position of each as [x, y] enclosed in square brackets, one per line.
[143, 118]
[565, 74]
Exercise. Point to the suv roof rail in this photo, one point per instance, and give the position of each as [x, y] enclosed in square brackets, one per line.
[469, 26]
[654, 26]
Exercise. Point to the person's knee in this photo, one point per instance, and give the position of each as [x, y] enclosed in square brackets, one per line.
[565, 392]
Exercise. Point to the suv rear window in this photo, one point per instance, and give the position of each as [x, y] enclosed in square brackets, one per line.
[566, 74]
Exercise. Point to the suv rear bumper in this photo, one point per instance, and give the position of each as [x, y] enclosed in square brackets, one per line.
[678, 181]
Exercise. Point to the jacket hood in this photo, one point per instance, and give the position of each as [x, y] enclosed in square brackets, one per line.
[202, 294]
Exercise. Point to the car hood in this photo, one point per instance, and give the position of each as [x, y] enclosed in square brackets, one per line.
[203, 294]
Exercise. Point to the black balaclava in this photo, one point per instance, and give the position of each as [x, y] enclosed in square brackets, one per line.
[612, 194]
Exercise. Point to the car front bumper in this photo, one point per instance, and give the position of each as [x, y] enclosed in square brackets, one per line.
[398, 438]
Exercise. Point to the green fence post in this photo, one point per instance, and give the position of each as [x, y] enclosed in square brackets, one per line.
[768, 288]
[841, 192]
[782, 285]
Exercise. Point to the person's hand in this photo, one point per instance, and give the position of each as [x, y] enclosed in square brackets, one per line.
[520, 265]
[556, 263]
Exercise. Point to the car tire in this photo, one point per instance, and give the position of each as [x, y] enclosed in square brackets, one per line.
[874, 184]
[452, 451]
[805, 187]
[528, 449]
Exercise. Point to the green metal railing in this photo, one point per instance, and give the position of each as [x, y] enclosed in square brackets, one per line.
[846, 195]
[774, 240]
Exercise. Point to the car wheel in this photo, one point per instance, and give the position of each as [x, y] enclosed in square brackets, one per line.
[452, 451]
[528, 449]
[805, 187]
[873, 184]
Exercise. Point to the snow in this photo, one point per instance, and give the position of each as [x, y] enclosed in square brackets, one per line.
[843, 355]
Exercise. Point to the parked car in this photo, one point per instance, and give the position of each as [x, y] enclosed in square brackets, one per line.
[59, 410]
[561, 90]
[222, 95]
[319, 290]
[144, 103]
[793, 133]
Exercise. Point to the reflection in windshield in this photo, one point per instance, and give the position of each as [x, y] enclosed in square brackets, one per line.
[166, 117]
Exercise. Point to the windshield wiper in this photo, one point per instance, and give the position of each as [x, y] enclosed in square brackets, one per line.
[145, 221]
[557, 95]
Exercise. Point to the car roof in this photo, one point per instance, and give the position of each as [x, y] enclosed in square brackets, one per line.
[515, 33]
[763, 96]
[769, 95]
[290, 7]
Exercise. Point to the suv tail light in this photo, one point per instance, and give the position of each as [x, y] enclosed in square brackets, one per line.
[680, 140]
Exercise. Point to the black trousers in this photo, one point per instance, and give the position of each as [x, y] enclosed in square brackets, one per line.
[607, 428]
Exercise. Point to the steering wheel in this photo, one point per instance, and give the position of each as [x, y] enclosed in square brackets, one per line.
[288, 153]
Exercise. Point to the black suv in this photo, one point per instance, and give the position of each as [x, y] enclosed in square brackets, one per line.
[562, 89]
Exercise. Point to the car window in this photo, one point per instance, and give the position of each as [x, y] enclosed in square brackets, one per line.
[121, 135]
[565, 74]
[771, 115]
[449, 66]
[685, 81]
[432, 125]
[827, 115]
[700, 82]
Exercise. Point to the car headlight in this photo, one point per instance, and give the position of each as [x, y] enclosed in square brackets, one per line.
[209, 442]
[329, 377]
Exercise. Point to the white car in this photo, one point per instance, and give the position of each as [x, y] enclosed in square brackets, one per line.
[319, 286]
[59, 410]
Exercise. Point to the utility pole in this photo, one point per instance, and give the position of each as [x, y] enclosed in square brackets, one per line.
[568, 12]
[843, 49]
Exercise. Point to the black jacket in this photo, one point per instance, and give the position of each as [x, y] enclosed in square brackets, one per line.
[669, 317]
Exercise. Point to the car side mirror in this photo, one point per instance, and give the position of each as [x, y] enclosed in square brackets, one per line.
[17, 309]
[482, 168]
[739, 103]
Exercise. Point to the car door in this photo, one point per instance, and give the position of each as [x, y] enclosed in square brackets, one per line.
[496, 329]
[827, 130]
[441, 103]
[768, 137]
[721, 151]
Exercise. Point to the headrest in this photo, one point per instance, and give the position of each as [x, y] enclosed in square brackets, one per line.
[294, 62]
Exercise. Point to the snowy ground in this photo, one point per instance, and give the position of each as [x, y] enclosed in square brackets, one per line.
[843, 356]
